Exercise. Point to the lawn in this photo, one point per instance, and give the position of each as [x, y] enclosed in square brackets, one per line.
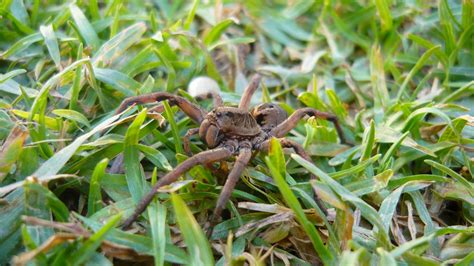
[399, 76]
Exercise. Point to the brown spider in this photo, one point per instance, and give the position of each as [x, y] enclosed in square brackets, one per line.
[228, 131]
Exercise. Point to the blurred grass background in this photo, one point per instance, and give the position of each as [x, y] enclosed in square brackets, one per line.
[398, 74]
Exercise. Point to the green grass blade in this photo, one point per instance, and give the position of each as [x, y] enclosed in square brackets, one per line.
[22, 44]
[384, 14]
[276, 163]
[174, 128]
[367, 211]
[190, 17]
[197, 245]
[73, 116]
[400, 250]
[51, 42]
[118, 80]
[55, 163]
[419, 64]
[94, 201]
[58, 208]
[84, 26]
[157, 214]
[368, 142]
[87, 250]
[456, 176]
[379, 86]
[114, 48]
[215, 33]
[133, 171]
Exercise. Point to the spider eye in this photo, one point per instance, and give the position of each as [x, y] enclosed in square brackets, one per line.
[271, 106]
[219, 114]
[229, 114]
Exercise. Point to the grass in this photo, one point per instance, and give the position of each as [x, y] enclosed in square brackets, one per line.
[398, 74]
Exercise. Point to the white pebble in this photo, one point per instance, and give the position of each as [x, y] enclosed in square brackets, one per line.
[202, 85]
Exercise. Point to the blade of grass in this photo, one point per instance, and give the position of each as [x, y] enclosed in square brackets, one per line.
[400, 250]
[419, 64]
[55, 163]
[117, 80]
[116, 46]
[384, 14]
[76, 84]
[85, 28]
[425, 216]
[276, 163]
[456, 176]
[133, 172]
[157, 214]
[379, 86]
[190, 17]
[390, 152]
[368, 142]
[94, 201]
[366, 210]
[72, 115]
[197, 245]
[174, 128]
[51, 42]
[87, 250]
[58, 208]
[215, 33]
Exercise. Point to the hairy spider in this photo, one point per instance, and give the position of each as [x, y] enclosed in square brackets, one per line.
[228, 131]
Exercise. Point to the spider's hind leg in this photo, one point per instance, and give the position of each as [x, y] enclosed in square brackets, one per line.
[284, 127]
[200, 158]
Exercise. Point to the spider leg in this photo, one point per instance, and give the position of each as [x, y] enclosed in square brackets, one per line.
[249, 91]
[284, 127]
[215, 96]
[191, 110]
[117, 165]
[288, 143]
[200, 158]
[187, 142]
[242, 160]
[217, 101]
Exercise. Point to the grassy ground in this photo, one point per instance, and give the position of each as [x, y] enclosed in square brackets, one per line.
[398, 74]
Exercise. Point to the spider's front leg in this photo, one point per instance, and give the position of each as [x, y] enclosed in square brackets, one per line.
[245, 154]
[187, 142]
[204, 157]
[249, 91]
[191, 110]
[284, 127]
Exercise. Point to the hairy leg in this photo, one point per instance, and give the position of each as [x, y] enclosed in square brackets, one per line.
[187, 142]
[249, 91]
[217, 99]
[191, 110]
[287, 125]
[117, 165]
[242, 160]
[234, 176]
[200, 158]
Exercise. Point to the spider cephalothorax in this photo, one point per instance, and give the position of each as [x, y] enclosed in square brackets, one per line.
[224, 123]
[228, 131]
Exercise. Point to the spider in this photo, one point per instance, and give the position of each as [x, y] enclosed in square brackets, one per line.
[228, 131]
